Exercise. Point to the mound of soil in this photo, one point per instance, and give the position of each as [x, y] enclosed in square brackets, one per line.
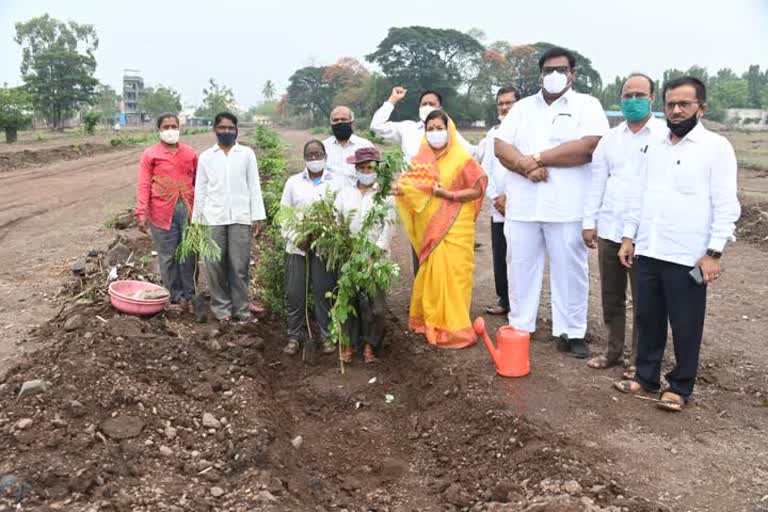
[753, 224]
[163, 414]
[10, 161]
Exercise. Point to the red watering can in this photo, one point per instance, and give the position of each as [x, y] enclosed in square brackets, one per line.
[511, 353]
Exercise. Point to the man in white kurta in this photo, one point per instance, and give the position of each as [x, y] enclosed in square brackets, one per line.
[547, 142]
[343, 143]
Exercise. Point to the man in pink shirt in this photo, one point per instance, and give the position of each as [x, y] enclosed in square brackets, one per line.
[164, 199]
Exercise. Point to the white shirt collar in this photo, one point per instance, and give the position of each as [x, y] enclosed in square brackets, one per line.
[327, 175]
[567, 95]
[236, 147]
[695, 135]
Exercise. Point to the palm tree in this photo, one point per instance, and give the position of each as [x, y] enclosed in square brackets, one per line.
[269, 90]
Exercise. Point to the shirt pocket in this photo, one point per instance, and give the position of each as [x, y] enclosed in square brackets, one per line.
[564, 128]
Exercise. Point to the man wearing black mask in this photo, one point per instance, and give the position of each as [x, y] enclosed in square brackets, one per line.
[680, 214]
[343, 144]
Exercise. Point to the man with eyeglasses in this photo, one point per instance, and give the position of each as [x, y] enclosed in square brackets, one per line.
[343, 144]
[546, 142]
[228, 198]
[615, 165]
[680, 214]
[496, 194]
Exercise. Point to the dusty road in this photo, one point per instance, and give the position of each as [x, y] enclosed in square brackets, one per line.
[50, 216]
[713, 457]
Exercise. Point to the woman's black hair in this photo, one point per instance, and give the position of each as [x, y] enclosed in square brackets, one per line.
[437, 114]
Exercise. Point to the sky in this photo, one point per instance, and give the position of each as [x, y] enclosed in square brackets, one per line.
[243, 43]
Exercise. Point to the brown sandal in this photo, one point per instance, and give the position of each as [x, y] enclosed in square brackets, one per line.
[670, 401]
[629, 373]
[368, 355]
[628, 386]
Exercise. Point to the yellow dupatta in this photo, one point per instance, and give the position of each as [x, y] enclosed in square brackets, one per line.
[442, 234]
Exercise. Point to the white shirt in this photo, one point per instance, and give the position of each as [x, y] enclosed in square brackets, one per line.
[227, 188]
[337, 155]
[408, 133]
[497, 173]
[616, 164]
[685, 200]
[351, 201]
[533, 126]
[301, 191]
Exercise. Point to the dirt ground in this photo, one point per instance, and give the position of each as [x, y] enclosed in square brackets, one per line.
[121, 427]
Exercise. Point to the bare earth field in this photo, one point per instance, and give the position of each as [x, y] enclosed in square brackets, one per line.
[455, 436]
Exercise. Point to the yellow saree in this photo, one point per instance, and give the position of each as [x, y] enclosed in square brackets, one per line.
[442, 232]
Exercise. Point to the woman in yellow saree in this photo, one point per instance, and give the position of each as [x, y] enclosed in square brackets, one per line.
[438, 201]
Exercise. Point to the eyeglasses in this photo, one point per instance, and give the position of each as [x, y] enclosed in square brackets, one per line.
[560, 69]
[683, 105]
[505, 103]
[634, 95]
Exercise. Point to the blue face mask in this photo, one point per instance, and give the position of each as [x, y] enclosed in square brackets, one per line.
[227, 138]
[366, 179]
[635, 109]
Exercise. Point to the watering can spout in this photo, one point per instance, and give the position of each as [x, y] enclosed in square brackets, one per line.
[479, 327]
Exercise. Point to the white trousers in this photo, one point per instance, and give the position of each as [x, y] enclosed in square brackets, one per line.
[528, 246]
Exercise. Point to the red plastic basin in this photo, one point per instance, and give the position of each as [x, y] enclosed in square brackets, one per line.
[124, 296]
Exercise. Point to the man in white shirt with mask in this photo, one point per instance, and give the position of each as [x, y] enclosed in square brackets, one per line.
[408, 133]
[343, 143]
[615, 166]
[496, 194]
[546, 142]
[682, 212]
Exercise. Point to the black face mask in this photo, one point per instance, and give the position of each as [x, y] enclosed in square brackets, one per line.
[682, 128]
[227, 138]
[342, 131]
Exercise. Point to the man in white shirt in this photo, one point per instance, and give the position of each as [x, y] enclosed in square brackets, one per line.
[615, 165]
[546, 142]
[301, 190]
[409, 134]
[682, 213]
[497, 177]
[366, 330]
[343, 143]
[228, 198]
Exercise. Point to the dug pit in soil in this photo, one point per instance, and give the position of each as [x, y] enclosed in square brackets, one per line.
[121, 425]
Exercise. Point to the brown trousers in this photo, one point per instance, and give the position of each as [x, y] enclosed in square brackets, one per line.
[613, 288]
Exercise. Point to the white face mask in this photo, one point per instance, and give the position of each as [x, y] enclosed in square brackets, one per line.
[169, 136]
[501, 117]
[555, 82]
[437, 139]
[315, 166]
[424, 111]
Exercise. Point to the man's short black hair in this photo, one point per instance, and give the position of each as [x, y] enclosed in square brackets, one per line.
[314, 142]
[701, 89]
[430, 91]
[506, 90]
[650, 80]
[224, 115]
[163, 117]
[557, 52]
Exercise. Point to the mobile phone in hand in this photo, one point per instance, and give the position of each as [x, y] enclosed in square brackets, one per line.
[697, 276]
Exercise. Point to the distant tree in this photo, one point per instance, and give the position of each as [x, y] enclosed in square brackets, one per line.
[309, 95]
[105, 102]
[420, 58]
[269, 90]
[216, 98]
[160, 100]
[15, 111]
[756, 83]
[90, 120]
[57, 65]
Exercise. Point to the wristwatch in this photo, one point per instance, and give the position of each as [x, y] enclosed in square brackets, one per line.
[537, 157]
[714, 254]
